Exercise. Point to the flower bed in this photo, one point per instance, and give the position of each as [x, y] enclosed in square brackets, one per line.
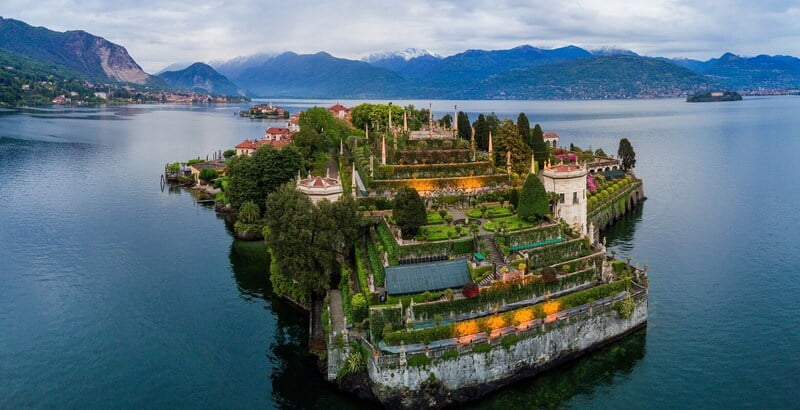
[432, 184]
[501, 293]
[516, 316]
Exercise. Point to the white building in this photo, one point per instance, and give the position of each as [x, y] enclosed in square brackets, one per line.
[551, 139]
[319, 188]
[569, 182]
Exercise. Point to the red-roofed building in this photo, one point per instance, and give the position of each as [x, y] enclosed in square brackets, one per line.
[277, 134]
[340, 111]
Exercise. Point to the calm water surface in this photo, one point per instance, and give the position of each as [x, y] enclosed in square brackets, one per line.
[116, 294]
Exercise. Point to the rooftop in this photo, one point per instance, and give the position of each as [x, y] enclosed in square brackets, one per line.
[420, 277]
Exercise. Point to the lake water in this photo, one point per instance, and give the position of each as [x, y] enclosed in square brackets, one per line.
[116, 294]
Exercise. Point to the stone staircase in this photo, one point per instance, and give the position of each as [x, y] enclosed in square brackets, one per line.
[495, 257]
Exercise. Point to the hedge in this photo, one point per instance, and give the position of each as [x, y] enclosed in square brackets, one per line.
[439, 156]
[361, 270]
[389, 244]
[526, 236]
[379, 317]
[378, 203]
[378, 273]
[457, 169]
[553, 254]
[417, 298]
[344, 287]
[503, 293]
[479, 273]
[439, 248]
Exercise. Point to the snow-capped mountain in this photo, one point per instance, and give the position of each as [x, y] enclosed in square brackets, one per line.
[405, 55]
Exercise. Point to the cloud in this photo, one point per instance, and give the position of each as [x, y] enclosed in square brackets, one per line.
[158, 33]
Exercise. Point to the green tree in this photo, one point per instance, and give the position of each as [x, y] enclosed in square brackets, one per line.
[208, 174]
[599, 153]
[525, 129]
[409, 211]
[360, 308]
[464, 130]
[253, 178]
[446, 121]
[513, 197]
[481, 133]
[626, 154]
[305, 240]
[230, 153]
[509, 139]
[533, 200]
[493, 123]
[540, 149]
[249, 212]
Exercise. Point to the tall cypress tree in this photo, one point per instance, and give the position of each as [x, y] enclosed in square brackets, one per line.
[464, 131]
[524, 128]
[540, 149]
[481, 133]
[626, 154]
[533, 200]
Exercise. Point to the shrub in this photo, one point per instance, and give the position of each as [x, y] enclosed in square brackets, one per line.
[360, 309]
[208, 174]
[509, 341]
[449, 355]
[409, 211]
[626, 307]
[419, 360]
[482, 348]
[249, 212]
[229, 153]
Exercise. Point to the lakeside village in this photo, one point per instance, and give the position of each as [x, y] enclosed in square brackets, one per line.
[87, 93]
[438, 259]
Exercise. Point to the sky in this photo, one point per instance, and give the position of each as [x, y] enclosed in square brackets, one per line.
[158, 33]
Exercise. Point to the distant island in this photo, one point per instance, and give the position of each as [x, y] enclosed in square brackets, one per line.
[715, 96]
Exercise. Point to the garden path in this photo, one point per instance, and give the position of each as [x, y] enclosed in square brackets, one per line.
[337, 312]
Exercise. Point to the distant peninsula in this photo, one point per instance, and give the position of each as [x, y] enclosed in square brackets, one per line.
[715, 96]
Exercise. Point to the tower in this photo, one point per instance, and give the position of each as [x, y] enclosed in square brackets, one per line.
[569, 182]
[383, 150]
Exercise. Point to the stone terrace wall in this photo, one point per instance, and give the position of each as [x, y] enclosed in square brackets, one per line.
[475, 374]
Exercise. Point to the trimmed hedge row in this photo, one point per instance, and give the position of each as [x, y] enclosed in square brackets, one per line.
[485, 324]
[526, 236]
[441, 156]
[455, 247]
[379, 318]
[456, 169]
[553, 254]
[503, 292]
[374, 203]
[378, 273]
[361, 270]
[389, 244]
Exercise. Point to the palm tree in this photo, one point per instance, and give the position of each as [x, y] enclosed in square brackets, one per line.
[249, 212]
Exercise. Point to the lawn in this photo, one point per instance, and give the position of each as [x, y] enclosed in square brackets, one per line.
[439, 232]
[512, 223]
[492, 212]
[434, 218]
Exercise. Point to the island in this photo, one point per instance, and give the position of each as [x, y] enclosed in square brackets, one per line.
[715, 96]
[438, 260]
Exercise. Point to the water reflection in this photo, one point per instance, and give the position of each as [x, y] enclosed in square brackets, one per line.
[620, 235]
[605, 367]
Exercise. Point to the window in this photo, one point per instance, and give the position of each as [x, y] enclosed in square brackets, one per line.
[575, 197]
[561, 198]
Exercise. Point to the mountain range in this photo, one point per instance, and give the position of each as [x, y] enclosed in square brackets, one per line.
[523, 72]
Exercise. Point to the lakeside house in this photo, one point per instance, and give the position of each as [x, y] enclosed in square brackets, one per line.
[217, 165]
[293, 124]
[275, 136]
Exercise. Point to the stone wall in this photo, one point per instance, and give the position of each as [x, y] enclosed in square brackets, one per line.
[605, 214]
[472, 375]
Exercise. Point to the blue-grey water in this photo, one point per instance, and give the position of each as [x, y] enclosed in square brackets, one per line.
[116, 294]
